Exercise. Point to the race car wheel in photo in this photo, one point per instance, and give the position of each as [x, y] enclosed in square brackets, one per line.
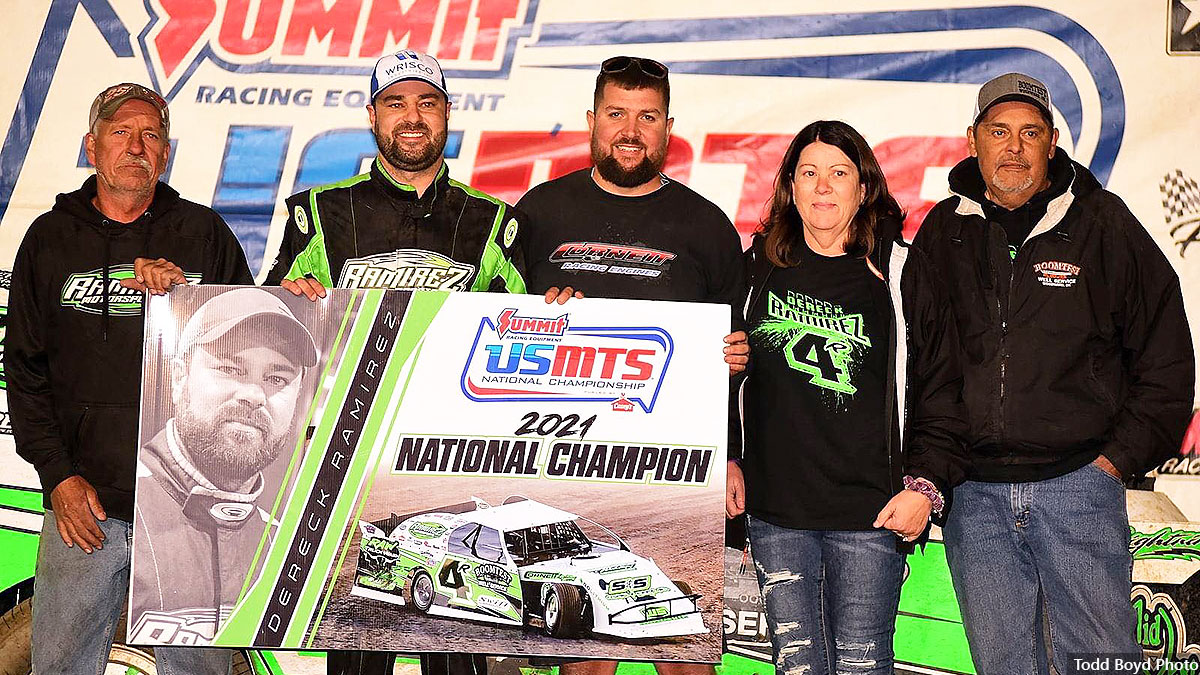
[419, 590]
[563, 610]
[683, 586]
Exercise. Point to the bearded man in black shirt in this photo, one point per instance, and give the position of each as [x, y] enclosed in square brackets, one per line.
[622, 229]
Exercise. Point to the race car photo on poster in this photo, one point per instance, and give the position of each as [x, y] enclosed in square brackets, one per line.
[522, 563]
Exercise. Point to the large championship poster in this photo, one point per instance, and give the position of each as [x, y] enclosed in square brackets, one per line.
[431, 472]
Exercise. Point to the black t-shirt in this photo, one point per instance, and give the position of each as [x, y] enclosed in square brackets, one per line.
[816, 456]
[671, 244]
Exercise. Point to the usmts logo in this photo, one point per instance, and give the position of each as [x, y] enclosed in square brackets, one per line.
[322, 37]
[407, 270]
[85, 291]
[520, 358]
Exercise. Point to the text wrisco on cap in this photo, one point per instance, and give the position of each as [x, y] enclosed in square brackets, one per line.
[111, 99]
[407, 65]
[1013, 87]
[270, 321]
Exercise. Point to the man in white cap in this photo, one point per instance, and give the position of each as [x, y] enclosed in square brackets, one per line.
[1078, 376]
[236, 384]
[405, 224]
[74, 353]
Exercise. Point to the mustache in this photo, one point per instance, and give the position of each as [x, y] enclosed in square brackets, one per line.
[629, 140]
[411, 126]
[134, 160]
[1015, 159]
[241, 413]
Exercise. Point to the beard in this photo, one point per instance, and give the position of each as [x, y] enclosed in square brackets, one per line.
[410, 160]
[612, 171]
[227, 456]
[1002, 181]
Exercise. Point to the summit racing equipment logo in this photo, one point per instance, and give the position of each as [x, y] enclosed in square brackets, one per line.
[85, 291]
[547, 359]
[408, 269]
[509, 322]
[591, 256]
[345, 38]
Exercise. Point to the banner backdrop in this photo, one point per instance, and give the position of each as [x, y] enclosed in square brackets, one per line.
[473, 465]
[266, 99]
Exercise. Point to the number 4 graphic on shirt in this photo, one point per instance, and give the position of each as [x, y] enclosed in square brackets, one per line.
[823, 357]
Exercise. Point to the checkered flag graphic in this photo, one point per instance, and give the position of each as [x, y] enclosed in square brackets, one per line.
[1181, 208]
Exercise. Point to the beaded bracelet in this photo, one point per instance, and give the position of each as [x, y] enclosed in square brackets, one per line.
[929, 490]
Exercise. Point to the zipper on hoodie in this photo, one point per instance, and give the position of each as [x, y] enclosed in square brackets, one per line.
[1003, 315]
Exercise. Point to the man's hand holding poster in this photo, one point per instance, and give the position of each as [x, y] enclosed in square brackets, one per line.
[431, 472]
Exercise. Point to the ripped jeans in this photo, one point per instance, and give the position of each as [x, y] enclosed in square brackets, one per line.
[831, 597]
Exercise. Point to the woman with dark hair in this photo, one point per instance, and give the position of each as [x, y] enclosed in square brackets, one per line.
[852, 417]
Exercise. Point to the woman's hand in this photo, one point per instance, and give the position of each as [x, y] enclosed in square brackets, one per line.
[735, 490]
[906, 514]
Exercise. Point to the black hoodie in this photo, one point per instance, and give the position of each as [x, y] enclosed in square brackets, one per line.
[1077, 346]
[74, 353]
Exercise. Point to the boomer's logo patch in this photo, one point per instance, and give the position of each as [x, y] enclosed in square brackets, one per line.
[407, 270]
[1056, 274]
[550, 359]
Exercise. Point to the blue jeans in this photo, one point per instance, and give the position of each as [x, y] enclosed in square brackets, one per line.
[831, 597]
[1061, 545]
[77, 601]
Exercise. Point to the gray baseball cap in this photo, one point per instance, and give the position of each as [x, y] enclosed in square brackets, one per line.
[1013, 87]
[222, 313]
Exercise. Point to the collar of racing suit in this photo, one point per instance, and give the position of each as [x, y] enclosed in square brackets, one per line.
[407, 193]
[202, 501]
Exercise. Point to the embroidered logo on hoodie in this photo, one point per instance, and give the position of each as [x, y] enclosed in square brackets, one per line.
[1055, 274]
[85, 291]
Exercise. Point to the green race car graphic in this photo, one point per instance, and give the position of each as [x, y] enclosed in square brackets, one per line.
[522, 563]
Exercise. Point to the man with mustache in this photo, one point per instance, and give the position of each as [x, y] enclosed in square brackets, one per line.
[406, 225]
[74, 346]
[1078, 377]
[236, 384]
[623, 229]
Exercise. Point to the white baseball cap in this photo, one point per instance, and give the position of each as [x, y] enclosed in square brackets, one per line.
[407, 65]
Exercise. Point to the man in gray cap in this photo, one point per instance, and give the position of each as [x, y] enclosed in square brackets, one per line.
[236, 385]
[74, 353]
[1078, 376]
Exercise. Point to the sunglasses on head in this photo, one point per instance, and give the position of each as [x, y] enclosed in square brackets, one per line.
[619, 64]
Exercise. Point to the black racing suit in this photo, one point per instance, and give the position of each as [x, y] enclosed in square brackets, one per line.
[371, 231]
